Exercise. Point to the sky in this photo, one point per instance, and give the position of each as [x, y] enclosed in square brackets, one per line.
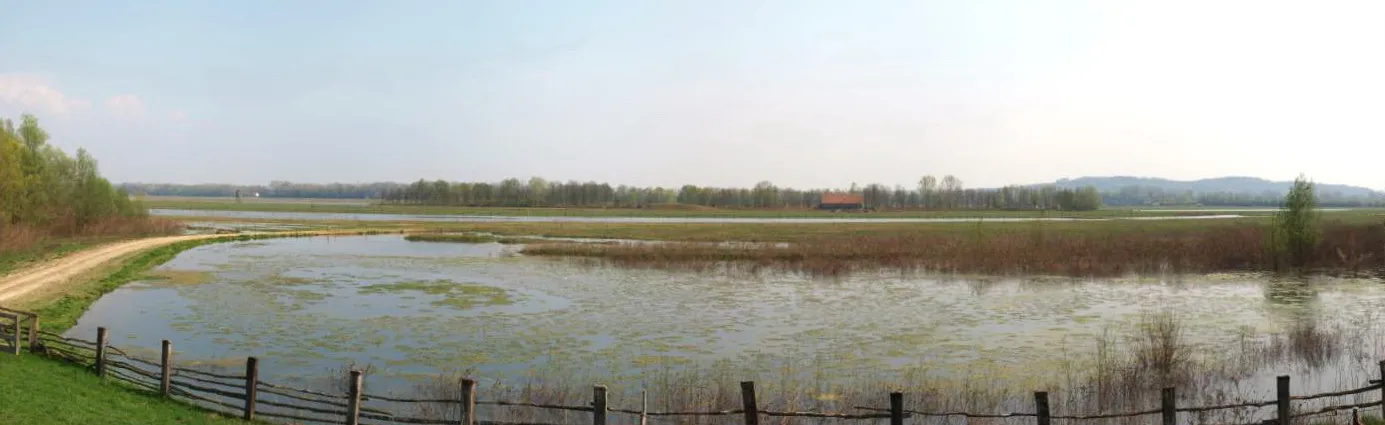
[724, 93]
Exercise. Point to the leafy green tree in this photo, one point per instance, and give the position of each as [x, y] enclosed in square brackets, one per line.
[12, 183]
[42, 187]
[1297, 227]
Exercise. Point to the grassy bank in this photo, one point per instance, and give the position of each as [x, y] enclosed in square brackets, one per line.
[224, 204]
[35, 390]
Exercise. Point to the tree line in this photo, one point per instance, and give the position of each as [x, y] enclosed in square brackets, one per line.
[275, 189]
[42, 187]
[931, 193]
[1138, 195]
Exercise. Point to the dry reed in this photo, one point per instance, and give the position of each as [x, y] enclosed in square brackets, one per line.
[1345, 248]
[16, 238]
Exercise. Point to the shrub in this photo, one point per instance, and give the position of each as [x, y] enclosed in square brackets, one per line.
[1297, 229]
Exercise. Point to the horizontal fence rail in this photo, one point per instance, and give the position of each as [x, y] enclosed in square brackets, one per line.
[244, 395]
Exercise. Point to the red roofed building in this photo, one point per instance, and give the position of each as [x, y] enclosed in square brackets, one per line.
[842, 201]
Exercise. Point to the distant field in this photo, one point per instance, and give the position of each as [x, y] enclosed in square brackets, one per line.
[364, 206]
[151, 200]
[790, 231]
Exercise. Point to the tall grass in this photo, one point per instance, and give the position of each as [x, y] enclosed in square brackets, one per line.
[1346, 248]
[24, 244]
[17, 239]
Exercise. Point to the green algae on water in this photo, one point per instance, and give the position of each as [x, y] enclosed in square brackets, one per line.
[457, 295]
[179, 277]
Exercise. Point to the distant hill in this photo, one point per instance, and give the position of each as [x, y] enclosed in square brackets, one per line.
[1240, 185]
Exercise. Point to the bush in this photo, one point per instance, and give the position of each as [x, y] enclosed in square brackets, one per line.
[1297, 228]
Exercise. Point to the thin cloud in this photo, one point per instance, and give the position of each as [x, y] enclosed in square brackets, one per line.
[33, 93]
[126, 106]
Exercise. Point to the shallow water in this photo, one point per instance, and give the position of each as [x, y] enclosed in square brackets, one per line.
[270, 215]
[308, 306]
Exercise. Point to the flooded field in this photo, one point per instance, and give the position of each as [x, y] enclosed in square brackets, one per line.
[284, 215]
[308, 307]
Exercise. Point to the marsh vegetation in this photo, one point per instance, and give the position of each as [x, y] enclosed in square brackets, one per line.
[1349, 249]
[419, 315]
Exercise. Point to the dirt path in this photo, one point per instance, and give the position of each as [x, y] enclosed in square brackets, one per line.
[51, 275]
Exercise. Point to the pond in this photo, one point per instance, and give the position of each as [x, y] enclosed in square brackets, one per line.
[308, 306]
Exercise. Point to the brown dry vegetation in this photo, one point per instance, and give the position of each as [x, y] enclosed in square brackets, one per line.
[20, 238]
[1345, 248]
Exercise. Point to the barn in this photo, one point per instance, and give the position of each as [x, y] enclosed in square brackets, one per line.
[842, 201]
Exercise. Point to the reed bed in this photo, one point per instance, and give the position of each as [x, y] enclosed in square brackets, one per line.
[471, 238]
[450, 237]
[18, 239]
[1345, 248]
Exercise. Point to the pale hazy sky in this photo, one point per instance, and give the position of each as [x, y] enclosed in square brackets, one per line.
[802, 93]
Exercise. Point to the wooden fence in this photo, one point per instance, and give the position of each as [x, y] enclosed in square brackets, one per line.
[11, 329]
[246, 396]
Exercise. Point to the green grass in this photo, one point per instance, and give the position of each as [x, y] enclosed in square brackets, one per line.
[452, 237]
[338, 207]
[34, 390]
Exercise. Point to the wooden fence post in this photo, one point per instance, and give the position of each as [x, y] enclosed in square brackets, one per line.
[1169, 404]
[18, 326]
[1382, 387]
[599, 405]
[896, 408]
[252, 384]
[33, 334]
[468, 402]
[752, 411]
[1041, 407]
[353, 407]
[1282, 399]
[166, 368]
[101, 352]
